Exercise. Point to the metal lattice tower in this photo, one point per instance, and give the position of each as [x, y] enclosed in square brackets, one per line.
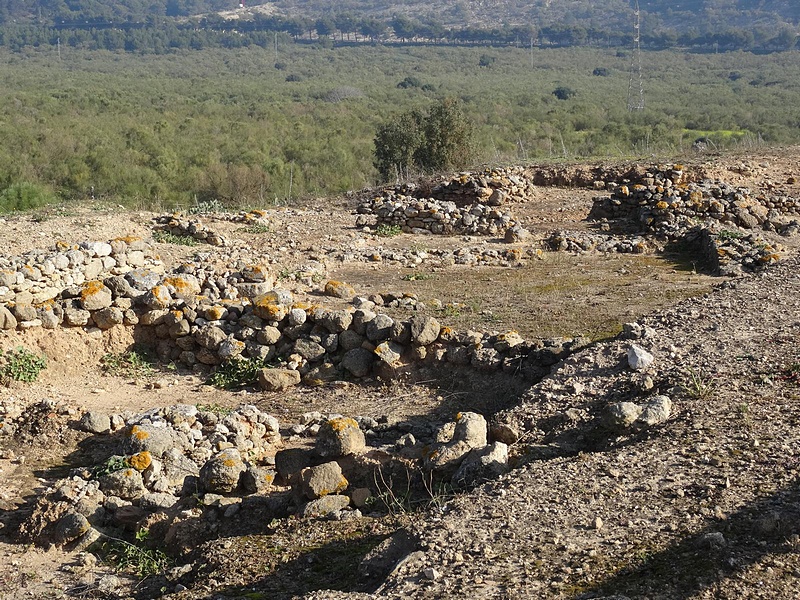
[636, 100]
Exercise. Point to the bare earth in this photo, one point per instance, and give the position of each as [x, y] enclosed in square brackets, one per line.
[704, 506]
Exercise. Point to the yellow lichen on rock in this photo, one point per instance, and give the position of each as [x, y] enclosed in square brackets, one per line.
[141, 460]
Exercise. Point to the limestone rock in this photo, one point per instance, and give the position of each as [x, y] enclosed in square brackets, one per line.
[340, 436]
[322, 480]
[358, 361]
[339, 289]
[276, 380]
[482, 465]
[325, 506]
[70, 527]
[221, 473]
[95, 422]
[639, 359]
[621, 415]
[654, 412]
[7, 319]
[125, 483]
[424, 329]
[95, 295]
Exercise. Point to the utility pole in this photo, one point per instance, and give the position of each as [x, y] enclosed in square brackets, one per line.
[58, 45]
[635, 72]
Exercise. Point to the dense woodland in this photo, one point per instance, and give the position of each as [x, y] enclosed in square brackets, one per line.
[161, 26]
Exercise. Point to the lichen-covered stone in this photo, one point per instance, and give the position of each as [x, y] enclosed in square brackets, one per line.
[340, 436]
[95, 295]
[339, 289]
[322, 480]
[221, 473]
[276, 380]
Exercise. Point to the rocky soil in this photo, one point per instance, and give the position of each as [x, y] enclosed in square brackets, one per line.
[657, 463]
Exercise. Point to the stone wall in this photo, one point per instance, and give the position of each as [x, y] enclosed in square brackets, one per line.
[426, 216]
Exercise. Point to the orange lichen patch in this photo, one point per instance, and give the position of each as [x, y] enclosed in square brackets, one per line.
[141, 460]
[161, 295]
[182, 285]
[256, 272]
[63, 246]
[339, 289]
[215, 313]
[341, 423]
[513, 254]
[662, 205]
[177, 314]
[91, 288]
[128, 473]
[266, 307]
[138, 433]
[306, 306]
[128, 239]
[767, 258]
[229, 462]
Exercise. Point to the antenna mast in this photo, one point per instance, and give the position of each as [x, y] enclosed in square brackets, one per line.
[635, 71]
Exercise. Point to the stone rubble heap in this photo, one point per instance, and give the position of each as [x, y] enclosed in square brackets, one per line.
[38, 277]
[428, 216]
[492, 187]
[665, 195]
[707, 214]
[179, 471]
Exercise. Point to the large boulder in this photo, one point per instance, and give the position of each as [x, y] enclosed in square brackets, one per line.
[221, 473]
[339, 437]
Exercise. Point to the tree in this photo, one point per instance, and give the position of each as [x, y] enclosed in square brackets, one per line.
[442, 138]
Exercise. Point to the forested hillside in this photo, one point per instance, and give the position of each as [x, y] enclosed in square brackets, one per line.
[703, 15]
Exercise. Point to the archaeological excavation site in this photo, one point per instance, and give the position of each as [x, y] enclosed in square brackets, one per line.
[548, 381]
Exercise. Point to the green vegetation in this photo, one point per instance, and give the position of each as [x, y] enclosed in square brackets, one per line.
[191, 128]
[384, 230]
[236, 373]
[23, 195]
[134, 558]
[439, 139]
[20, 364]
[136, 363]
[165, 237]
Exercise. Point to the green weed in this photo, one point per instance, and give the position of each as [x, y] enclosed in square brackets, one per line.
[205, 207]
[21, 364]
[131, 364]
[135, 558]
[417, 277]
[256, 229]
[236, 372]
[384, 230]
[698, 386]
[165, 237]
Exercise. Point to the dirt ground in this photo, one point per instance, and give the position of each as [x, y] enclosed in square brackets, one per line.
[561, 295]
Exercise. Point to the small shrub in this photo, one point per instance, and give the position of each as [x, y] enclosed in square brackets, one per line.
[165, 237]
[384, 230]
[205, 207]
[134, 558]
[21, 364]
[410, 82]
[727, 234]
[601, 72]
[564, 93]
[256, 228]
[24, 196]
[236, 372]
[132, 364]
[486, 60]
